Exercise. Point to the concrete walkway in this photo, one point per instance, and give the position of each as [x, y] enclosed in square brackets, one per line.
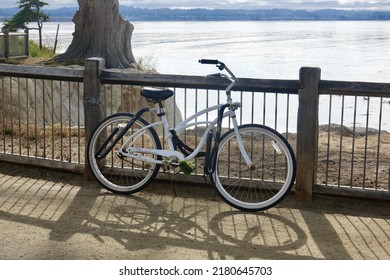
[51, 215]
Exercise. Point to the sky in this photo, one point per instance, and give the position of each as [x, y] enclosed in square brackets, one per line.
[229, 4]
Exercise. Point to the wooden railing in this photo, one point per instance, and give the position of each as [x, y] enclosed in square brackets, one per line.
[309, 88]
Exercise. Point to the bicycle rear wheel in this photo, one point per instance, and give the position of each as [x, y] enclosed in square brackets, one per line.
[117, 173]
[272, 175]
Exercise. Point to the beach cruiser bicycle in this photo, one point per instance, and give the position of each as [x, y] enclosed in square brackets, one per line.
[251, 166]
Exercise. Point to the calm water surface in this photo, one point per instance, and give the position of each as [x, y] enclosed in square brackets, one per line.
[344, 50]
[275, 50]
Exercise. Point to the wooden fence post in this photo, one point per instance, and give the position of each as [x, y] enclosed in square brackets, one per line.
[26, 42]
[93, 107]
[6, 43]
[307, 132]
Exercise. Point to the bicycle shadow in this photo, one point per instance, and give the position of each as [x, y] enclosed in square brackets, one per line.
[137, 224]
[143, 221]
[156, 221]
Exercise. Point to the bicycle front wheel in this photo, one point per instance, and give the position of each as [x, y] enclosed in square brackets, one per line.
[118, 173]
[263, 184]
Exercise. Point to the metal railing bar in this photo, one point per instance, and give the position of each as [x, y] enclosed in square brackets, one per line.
[19, 120]
[27, 118]
[52, 119]
[328, 139]
[11, 115]
[264, 106]
[341, 140]
[61, 126]
[44, 119]
[353, 140]
[35, 118]
[379, 143]
[366, 143]
[3, 114]
[79, 123]
[287, 116]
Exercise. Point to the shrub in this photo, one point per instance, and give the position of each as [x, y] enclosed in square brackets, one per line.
[35, 51]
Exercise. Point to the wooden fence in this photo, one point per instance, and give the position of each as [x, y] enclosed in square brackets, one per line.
[309, 88]
[13, 45]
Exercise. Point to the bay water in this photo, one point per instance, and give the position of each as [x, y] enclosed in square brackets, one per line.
[344, 50]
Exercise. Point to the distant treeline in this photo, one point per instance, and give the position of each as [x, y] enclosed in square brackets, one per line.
[142, 14]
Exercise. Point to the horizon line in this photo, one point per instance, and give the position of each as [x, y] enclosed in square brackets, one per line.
[248, 9]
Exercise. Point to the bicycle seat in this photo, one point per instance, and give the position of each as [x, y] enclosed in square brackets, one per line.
[156, 94]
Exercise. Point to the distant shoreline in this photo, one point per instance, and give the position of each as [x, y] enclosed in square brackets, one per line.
[143, 14]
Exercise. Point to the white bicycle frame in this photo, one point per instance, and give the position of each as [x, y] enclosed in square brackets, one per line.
[128, 151]
[131, 152]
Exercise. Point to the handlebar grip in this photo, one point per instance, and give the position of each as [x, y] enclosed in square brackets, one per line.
[208, 61]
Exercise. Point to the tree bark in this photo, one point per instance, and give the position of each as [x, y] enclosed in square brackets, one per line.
[100, 31]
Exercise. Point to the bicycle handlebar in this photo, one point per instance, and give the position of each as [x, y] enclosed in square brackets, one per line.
[221, 66]
[208, 61]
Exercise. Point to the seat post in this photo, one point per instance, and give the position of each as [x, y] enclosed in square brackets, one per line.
[161, 109]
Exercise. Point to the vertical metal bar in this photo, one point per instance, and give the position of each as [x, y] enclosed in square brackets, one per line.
[196, 128]
[276, 128]
[341, 140]
[36, 137]
[112, 99]
[287, 116]
[11, 116]
[69, 123]
[242, 102]
[110, 112]
[328, 145]
[240, 123]
[19, 120]
[353, 141]
[132, 104]
[264, 106]
[219, 96]
[52, 120]
[185, 111]
[27, 118]
[61, 126]
[44, 119]
[207, 104]
[379, 143]
[263, 139]
[276, 110]
[388, 182]
[122, 102]
[365, 143]
[253, 108]
[174, 108]
[79, 125]
[3, 114]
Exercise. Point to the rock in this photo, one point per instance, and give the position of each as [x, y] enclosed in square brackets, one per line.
[50, 102]
[350, 131]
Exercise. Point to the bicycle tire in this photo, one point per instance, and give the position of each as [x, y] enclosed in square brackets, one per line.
[274, 168]
[120, 174]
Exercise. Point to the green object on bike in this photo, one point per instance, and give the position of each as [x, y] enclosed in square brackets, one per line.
[187, 167]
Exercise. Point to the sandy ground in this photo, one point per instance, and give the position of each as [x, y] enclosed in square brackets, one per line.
[51, 215]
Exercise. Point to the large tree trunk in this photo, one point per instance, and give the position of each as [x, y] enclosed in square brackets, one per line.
[101, 32]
